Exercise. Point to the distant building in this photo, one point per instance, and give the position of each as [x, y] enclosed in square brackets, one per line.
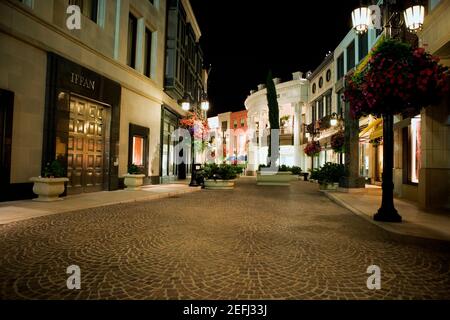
[293, 104]
[229, 137]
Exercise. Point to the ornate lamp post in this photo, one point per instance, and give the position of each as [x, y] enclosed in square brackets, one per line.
[393, 25]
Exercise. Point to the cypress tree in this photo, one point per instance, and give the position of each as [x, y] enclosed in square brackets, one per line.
[272, 103]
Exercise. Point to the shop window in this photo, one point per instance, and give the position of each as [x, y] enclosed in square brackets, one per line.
[138, 150]
[412, 153]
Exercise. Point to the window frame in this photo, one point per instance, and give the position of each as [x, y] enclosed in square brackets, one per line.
[143, 132]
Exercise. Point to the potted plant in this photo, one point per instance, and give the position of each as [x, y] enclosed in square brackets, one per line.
[338, 141]
[329, 175]
[296, 171]
[219, 177]
[239, 169]
[50, 185]
[134, 179]
[281, 177]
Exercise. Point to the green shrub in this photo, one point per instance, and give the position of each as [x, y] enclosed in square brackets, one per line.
[329, 173]
[315, 174]
[133, 169]
[238, 169]
[296, 170]
[213, 171]
[284, 168]
[54, 170]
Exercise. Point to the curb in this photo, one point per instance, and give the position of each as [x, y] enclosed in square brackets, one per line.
[147, 198]
[387, 226]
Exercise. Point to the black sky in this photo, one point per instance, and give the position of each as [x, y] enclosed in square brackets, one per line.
[243, 39]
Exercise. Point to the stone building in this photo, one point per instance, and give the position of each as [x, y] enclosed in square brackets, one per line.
[99, 98]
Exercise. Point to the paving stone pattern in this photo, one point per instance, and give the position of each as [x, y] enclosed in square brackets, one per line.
[250, 243]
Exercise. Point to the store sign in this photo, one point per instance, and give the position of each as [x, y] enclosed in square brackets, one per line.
[82, 81]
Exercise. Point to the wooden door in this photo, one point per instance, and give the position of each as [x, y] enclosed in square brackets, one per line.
[85, 160]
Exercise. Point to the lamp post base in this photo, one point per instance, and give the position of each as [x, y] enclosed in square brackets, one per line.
[387, 215]
[194, 182]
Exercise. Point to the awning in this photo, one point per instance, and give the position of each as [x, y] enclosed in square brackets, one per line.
[373, 131]
[377, 132]
[371, 127]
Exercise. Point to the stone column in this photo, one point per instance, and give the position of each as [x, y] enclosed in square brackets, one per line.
[297, 133]
[434, 174]
[352, 179]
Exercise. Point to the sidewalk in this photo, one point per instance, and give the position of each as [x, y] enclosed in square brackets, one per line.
[26, 209]
[416, 222]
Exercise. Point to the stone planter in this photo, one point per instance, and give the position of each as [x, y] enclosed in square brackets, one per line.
[133, 182]
[328, 186]
[48, 189]
[271, 179]
[219, 184]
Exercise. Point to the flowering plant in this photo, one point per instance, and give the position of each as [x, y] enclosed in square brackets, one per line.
[312, 148]
[197, 126]
[337, 141]
[198, 129]
[397, 79]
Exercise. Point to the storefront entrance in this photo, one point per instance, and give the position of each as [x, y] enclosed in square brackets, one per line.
[82, 121]
[86, 146]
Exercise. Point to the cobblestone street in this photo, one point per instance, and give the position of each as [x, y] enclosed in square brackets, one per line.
[249, 243]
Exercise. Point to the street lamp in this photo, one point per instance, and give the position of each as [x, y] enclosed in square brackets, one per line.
[413, 20]
[204, 104]
[414, 17]
[334, 120]
[360, 19]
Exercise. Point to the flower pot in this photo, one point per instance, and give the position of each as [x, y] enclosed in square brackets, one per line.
[133, 182]
[219, 184]
[328, 185]
[48, 189]
[273, 179]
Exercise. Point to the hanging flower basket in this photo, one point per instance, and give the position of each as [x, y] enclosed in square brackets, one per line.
[198, 129]
[398, 79]
[337, 141]
[312, 148]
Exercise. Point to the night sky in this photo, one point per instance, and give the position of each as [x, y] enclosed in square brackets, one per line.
[243, 39]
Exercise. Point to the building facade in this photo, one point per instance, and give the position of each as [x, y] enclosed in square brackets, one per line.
[238, 148]
[422, 148]
[98, 98]
[293, 104]
[322, 106]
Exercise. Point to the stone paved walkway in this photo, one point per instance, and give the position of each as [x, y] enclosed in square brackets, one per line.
[249, 243]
